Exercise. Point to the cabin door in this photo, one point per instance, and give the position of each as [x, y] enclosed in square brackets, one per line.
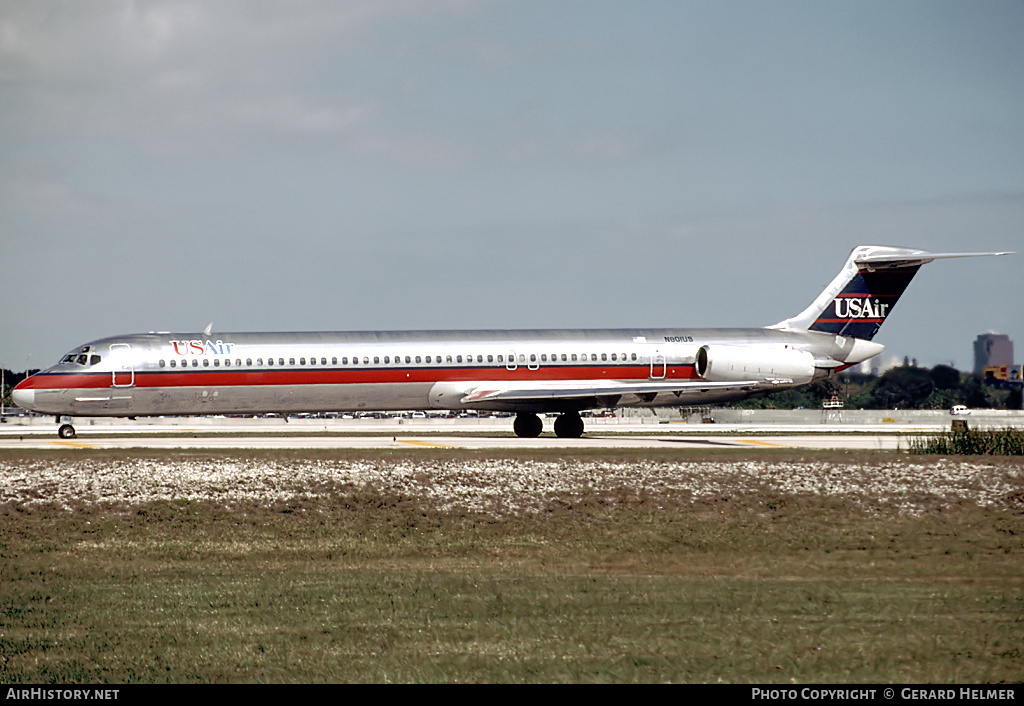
[658, 365]
[124, 368]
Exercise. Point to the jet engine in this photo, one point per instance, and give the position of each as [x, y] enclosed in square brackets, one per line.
[768, 363]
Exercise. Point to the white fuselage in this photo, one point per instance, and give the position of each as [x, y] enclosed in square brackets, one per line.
[248, 373]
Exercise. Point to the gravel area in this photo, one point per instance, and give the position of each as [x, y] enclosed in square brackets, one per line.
[499, 487]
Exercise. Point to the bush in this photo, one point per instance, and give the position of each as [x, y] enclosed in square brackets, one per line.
[1002, 442]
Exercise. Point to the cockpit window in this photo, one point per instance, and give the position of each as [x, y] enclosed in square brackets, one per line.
[82, 357]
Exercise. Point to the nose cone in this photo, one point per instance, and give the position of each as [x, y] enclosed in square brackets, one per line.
[23, 395]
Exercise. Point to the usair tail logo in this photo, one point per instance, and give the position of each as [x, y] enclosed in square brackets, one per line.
[853, 308]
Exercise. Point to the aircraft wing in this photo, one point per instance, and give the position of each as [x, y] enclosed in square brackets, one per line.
[570, 389]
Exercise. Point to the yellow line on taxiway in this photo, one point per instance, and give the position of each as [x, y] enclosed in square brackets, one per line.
[413, 442]
[75, 444]
[764, 443]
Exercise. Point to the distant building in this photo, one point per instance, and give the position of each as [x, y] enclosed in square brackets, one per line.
[992, 349]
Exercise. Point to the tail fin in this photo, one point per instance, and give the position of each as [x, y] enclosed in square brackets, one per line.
[865, 291]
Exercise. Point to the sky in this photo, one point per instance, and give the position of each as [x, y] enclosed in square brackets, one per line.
[449, 164]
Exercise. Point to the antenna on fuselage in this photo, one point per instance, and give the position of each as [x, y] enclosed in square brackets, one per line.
[208, 329]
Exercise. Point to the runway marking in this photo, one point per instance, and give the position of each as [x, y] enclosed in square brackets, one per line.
[765, 443]
[414, 442]
[702, 442]
[75, 444]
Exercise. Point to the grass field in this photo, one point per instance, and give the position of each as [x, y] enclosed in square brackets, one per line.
[448, 566]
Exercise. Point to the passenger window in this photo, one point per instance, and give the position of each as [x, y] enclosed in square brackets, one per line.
[366, 360]
[323, 361]
[376, 360]
[206, 362]
[543, 357]
[490, 358]
[216, 362]
[418, 359]
[428, 358]
[334, 361]
[248, 362]
[302, 361]
[291, 361]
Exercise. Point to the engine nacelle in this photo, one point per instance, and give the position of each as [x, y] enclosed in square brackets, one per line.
[769, 363]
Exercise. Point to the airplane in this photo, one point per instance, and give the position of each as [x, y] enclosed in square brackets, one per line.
[526, 372]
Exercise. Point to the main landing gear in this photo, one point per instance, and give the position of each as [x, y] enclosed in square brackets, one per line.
[568, 425]
[66, 431]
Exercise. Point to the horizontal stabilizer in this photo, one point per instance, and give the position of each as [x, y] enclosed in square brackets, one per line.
[906, 257]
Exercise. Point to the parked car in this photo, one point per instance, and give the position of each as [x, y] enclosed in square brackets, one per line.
[959, 410]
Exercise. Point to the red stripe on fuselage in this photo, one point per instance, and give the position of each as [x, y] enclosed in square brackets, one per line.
[347, 376]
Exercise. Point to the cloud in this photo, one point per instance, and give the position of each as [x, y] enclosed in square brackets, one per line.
[177, 75]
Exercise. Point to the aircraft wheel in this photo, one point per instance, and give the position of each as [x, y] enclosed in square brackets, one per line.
[528, 425]
[569, 426]
[66, 431]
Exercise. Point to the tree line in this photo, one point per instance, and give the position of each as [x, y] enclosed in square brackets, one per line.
[905, 387]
